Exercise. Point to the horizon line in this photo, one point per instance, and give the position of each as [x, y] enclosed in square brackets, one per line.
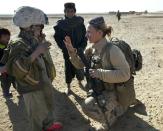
[89, 13]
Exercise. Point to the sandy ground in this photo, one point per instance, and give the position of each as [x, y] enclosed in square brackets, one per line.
[143, 33]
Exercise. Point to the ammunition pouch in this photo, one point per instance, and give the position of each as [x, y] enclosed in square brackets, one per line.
[125, 92]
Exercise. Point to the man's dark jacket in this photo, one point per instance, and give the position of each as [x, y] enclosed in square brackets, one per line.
[73, 27]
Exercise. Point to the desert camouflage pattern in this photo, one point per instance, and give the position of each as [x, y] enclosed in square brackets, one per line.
[26, 16]
[113, 109]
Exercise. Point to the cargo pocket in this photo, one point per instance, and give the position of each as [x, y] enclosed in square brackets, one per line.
[126, 92]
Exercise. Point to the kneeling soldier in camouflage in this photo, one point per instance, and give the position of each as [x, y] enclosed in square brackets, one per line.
[108, 68]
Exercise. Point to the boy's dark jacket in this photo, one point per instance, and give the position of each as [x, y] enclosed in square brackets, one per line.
[73, 27]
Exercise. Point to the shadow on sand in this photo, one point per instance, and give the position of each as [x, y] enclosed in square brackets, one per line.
[17, 115]
[67, 112]
[130, 122]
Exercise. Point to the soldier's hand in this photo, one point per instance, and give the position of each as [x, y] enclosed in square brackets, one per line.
[93, 73]
[42, 48]
[68, 44]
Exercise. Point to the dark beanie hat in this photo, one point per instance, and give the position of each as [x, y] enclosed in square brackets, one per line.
[70, 5]
[98, 21]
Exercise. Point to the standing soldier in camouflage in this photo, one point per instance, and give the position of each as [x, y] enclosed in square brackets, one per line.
[72, 26]
[112, 68]
[31, 64]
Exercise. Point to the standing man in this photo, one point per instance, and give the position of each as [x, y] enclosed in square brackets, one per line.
[31, 64]
[118, 15]
[6, 80]
[72, 26]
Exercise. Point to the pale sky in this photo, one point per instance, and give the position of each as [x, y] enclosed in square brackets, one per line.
[83, 6]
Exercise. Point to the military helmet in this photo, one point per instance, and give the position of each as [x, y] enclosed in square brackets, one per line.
[26, 16]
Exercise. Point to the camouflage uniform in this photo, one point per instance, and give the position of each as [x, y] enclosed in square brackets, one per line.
[35, 78]
[113, 109]
[111, 58]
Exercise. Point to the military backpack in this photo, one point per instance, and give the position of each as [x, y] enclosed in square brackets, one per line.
[125, 91]
[133, 57]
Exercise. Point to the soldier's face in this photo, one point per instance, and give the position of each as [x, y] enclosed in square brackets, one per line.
[93, 34]
[4, 39]
[69, 13]
[37, 30]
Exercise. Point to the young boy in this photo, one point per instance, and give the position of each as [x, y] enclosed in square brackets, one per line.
[73, 26]
[5, 79]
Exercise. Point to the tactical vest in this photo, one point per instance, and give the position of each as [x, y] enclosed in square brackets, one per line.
[97, 62]
[33, 80]
[125, 91]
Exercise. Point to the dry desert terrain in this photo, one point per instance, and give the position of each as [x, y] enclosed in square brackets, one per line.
[141, 32]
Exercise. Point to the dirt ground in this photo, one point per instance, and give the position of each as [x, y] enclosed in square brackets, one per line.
[143, 33]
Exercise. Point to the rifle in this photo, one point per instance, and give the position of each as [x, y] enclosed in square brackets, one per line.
[96, 85]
